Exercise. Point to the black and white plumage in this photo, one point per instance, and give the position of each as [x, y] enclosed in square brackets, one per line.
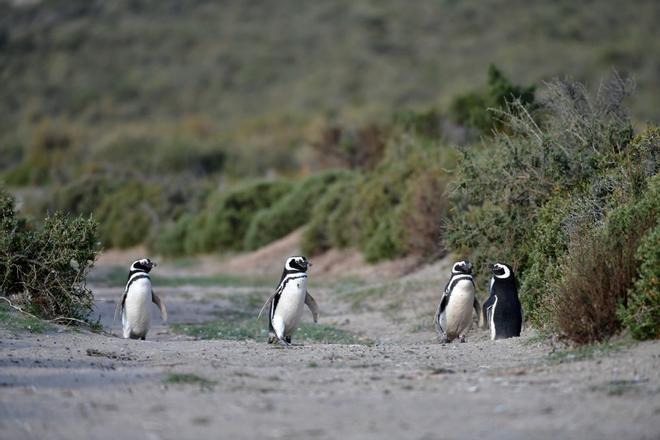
[454, 315]
[134, 303]
[502, 312]
[286, 304]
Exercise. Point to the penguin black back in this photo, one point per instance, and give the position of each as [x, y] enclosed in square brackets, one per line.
[505, 311]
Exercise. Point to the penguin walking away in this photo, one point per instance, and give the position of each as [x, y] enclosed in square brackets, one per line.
[134, 303]
[454, 315]
[286, 304]
[502, 312]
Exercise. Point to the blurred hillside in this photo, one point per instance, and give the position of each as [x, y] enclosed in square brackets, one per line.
[266, 75]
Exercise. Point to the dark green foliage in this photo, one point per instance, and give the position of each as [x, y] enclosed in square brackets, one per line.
[291, 211]
[84, 194]
[500, 190]
[424, 212]
[128, 215]
[327, 227]
[381, 211]
[223, 222]
[227, 215]
[599, 270]
[50, 156]
[642, 314]
[538, 198]
[360, 148]
[422, 124]
[45, 268]
[155, 154]
[479, 109]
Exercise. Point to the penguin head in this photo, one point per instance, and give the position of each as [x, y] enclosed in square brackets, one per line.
[297, 264]
[143, 265]
[462, 267]
[502, 271]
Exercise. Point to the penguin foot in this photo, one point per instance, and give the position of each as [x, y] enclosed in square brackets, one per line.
[272, 339]
[443, 339]
[462, 339]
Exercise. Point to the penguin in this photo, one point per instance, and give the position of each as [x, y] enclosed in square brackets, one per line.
[286, 304]
[454, 315]
[134, 303]
[502, 312]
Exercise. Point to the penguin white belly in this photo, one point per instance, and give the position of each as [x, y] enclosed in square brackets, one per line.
[458, 313]
[136, 318]
[290, 305]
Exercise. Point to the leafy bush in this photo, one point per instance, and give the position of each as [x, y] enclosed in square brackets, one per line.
[383, 212]
[642, 314]
[475, 109]
[128, 215]
[45, 269]
[224, 220]
[84, 194]
[359, 148]
[550, 197]
[154, 154]
[424, 212]
[291, 211]
[328, 225]
[599, 270]
[51, 151]
[500, 189]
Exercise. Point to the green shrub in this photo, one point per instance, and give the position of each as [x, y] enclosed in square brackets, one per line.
[85, 194]
[424, 212]
[642, 313]
[51, 155]
[383, 212]
[360, 148]
[328, 226]
[154, 154]
[501, 188]
[223, 222]
[128, 215]
[479, 109]
[172, 238]
[600, 269]
[45, 268]
[291, 211]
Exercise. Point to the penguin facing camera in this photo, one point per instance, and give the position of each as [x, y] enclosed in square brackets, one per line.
[286, 304]
[502, 312]
[453, 318]
[134, 303]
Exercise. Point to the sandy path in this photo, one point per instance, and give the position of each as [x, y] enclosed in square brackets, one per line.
[403, 386]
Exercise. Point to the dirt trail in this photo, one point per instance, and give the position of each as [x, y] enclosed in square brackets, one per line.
[77, 384]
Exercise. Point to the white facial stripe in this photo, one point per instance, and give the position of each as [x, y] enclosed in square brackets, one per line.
[506, 274]
[493, 332]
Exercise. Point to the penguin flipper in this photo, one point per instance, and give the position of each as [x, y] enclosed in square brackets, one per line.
[311, 303]
[159, 302]
[270, 298]
[441, 309]
[118, 307]
[486, 312]
[477, 310]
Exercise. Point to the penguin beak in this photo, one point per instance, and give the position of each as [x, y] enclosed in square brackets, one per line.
[491, 266]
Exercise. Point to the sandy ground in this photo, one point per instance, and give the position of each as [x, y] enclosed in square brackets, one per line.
[75, 384]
